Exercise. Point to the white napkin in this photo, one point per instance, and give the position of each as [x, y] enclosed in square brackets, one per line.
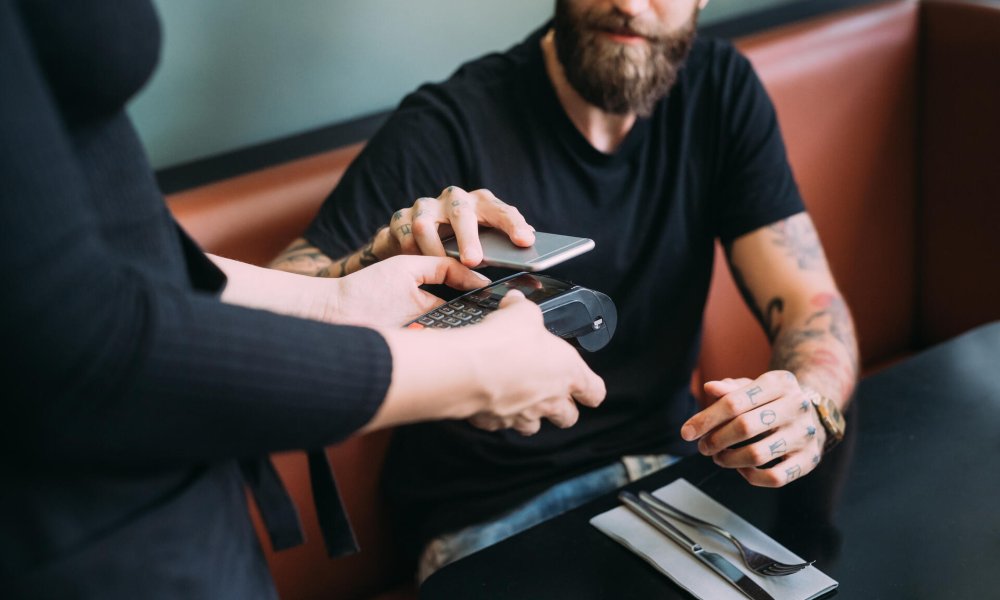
[622, 525]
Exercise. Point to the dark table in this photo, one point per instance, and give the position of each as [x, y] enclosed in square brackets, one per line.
[907, 507]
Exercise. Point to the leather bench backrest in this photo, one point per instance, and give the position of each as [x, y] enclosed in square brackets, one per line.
[960, 204]
[255, 216]
[844, 88]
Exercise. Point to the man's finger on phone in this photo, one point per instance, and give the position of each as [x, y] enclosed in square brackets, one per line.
[500, 215]
[461, 212]
[425, 217]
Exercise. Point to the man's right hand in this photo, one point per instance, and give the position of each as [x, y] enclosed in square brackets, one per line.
[507, 372]
[421, 228]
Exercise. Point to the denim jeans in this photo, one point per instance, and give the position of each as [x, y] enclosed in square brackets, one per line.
[556, 500]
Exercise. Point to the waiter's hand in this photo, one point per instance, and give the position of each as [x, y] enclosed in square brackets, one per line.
[420, 228]
[539, 375]
[765, 428]
[506, 372]
[388, 293]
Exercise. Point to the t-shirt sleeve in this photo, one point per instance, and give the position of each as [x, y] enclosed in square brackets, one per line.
[419, 151]
[106, 362]
[755, 182]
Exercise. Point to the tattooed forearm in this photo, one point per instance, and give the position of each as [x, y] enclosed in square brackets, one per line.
[798, 238]
[822, 347]
[366, 256]
[787, 352]
[741, 285]
[303, 258]
[841, 327]
[341, 269]
[770, 316]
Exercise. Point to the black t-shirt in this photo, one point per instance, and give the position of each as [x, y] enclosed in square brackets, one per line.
[709, 163]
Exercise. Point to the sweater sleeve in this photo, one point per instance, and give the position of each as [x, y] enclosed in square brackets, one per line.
[104, 363]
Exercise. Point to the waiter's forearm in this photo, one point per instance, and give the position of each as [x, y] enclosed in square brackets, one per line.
[269, 289]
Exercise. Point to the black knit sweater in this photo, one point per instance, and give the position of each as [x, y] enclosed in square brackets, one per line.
[128, 387]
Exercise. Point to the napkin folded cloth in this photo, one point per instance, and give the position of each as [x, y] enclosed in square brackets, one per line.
[625, 527]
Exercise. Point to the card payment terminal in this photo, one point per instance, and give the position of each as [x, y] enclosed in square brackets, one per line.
[583, 316]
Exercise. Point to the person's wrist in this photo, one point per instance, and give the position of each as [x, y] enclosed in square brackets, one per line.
[425, 388]
[476, 377]
[829, 416]
[323, 302]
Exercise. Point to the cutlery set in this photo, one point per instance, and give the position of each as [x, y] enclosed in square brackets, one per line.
[657, 513]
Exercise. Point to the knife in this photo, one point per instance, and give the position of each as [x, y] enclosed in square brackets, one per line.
[717, 563]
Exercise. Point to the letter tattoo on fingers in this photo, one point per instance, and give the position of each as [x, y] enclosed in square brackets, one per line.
[405, 229]
[397, 215]
[793, 473]
[768, 417]
[778, 448]
[753, 392]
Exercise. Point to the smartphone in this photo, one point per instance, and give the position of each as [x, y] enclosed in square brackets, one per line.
[549, 250]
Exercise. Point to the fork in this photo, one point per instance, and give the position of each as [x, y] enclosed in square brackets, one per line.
[758, 562]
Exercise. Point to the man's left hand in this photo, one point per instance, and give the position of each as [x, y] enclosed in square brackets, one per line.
[764, 428]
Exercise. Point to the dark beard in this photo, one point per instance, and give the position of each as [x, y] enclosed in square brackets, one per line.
[613, 77]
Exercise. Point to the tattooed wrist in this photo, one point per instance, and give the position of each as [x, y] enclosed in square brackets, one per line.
[823, 346]
[304, 259]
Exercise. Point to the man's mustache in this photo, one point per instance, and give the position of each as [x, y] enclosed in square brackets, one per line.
[620, 24]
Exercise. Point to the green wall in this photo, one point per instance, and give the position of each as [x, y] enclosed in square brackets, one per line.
[239, 72]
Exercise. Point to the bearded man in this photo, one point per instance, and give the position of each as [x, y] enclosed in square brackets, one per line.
[613, 122]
